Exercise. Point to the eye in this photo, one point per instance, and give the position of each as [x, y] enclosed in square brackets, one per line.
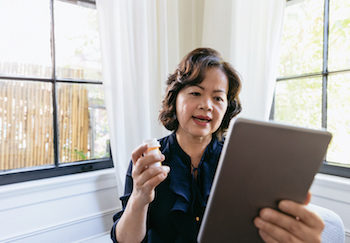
[218, 98]
[195, 93]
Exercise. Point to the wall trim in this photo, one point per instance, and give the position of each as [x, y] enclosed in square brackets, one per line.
[333, 181]
[332, 187]
[336, 189]
[52, 199]
[68, 223]
[55, 188]
[29, 187]
[94, 237]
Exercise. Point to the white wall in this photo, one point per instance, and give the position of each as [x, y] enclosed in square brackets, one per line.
[62, 209]
[333, 192]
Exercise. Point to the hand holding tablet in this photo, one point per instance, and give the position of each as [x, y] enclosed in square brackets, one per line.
[261, 164]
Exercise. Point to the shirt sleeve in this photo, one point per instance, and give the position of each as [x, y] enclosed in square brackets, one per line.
[124, 199]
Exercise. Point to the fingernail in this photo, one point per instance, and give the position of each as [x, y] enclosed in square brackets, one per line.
[283, 205]
[265, 213]
[166, 169]
[258, 222]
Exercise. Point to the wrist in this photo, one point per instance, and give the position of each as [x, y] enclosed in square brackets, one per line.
[137, 204]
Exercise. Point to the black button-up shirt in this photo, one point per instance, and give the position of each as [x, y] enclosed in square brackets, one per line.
[176, 212]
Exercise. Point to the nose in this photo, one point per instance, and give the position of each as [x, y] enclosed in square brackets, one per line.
[206, 104]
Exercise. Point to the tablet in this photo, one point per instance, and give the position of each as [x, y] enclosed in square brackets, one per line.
[261, 163]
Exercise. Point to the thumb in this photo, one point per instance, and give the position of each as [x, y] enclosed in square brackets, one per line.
[308, 198]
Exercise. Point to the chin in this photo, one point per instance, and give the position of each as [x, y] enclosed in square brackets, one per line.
[201, 133]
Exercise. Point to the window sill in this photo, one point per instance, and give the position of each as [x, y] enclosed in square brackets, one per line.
[332, 187]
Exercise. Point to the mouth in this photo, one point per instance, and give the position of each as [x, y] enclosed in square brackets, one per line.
[202, 119]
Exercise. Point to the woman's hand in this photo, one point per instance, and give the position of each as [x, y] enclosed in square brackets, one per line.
[132, 224]
[145, 176]
[300, 225]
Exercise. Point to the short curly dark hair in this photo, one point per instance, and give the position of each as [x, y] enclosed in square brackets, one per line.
[191, 71]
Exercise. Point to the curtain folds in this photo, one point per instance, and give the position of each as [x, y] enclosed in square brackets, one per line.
[143, 41]
[248, 33]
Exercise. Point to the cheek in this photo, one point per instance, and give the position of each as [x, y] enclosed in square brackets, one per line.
[180, 107]
[222, 110]
[220, 114]
[182, 112]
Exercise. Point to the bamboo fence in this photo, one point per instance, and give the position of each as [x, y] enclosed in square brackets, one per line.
[73, 122]
[26, 123]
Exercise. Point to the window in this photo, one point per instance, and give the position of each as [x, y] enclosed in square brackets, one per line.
[52, 114]
[313, 85]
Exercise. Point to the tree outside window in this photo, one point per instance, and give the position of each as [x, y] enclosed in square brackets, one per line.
[313, 85]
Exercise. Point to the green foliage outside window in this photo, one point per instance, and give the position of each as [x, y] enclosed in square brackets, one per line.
[298, 93]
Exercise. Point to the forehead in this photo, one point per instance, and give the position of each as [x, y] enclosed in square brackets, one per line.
[214, 79]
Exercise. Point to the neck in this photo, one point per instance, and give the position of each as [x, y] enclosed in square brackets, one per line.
[193, 146]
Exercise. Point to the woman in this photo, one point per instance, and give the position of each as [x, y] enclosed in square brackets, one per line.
[166, 203]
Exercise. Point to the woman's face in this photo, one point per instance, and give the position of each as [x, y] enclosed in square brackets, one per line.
[201, 108]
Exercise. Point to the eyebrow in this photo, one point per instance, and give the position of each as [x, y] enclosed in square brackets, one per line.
[215, 91]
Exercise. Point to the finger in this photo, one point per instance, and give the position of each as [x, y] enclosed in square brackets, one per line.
[308, 198]
[145, 161]
[273, 231]
[137, 153]
[155, 181]
[302, 213]
[151, 172]
[288, 223]
[152, 158]
[266, 237]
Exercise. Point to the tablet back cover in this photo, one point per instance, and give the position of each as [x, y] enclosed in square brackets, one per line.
[260, 164]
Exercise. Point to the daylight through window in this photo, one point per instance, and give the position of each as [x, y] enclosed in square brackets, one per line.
[313, 85]
[53, 118]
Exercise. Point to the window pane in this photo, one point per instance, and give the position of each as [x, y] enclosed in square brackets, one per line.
[301, 46]
[77, 42]
[339, 118]
[83, 125]
[26, 138]
[339, 35]
[298, 102]
[25, 38]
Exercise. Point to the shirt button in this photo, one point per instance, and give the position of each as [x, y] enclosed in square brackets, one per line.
[197, 219]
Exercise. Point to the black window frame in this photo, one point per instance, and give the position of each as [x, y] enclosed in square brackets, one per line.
[326, 167]
[56, 169]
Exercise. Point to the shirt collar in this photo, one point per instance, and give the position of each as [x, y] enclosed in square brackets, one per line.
[180, 173]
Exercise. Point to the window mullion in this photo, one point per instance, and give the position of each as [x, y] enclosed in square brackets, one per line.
[325, 63]
[54, 81]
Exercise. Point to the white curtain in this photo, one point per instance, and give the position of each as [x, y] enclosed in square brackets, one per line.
[143, 41]
[247, 33]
